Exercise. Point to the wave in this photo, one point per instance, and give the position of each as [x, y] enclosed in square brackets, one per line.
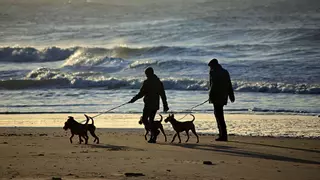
[90, 58]
[156, 50]
[48, 105]
[76, 55]
[52, 78]
[121, 56]
[167, 64]
[30, 54]
[267, 87]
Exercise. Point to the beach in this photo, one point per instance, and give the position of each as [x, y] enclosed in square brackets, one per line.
[46, 153]
[69, 58]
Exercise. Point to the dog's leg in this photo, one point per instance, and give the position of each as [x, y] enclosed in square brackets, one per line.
[86, 138]
[174, 138]
[187, 132]
[145, 136]
[96, 138]
[179, 137]
[165, 137]
[80, 140]
[194, 132]
[71, 138]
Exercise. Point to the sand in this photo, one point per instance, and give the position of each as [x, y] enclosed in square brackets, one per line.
[46, 153]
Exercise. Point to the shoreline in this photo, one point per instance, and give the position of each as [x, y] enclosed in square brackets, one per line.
[195, 112]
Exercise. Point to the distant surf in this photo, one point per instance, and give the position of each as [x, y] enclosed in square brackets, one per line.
[56, 59]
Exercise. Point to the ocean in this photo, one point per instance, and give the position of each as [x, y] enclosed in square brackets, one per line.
[77, 56]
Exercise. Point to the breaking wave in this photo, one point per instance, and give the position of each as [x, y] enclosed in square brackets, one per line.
[29, 54]
[166, 64]
[55, 78]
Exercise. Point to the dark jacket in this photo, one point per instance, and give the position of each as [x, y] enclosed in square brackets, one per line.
[152, 89]
[220, 86]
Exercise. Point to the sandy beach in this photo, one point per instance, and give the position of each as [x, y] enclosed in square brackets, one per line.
[46, 153]
[68, 57]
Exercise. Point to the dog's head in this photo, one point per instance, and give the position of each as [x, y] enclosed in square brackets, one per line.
[140, 121]
[143, 121]
[68, 123]
[170, 118]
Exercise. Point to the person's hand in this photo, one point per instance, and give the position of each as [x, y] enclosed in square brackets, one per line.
[165, 108]
[232, 99]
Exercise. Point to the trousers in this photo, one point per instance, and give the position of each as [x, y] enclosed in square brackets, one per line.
[148, 118]
[219, 115]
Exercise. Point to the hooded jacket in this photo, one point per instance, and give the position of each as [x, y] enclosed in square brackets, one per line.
[220, 86]
[152, 89]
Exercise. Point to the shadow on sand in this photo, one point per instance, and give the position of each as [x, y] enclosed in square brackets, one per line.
[275, 146]
[238, 152]
[109, 147]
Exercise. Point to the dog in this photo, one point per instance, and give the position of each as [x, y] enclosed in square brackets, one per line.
[81, 129]
[182, 126]
[157, 125]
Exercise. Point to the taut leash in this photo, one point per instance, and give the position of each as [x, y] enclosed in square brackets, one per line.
[106, 111]
[190, 109]
[109, 110]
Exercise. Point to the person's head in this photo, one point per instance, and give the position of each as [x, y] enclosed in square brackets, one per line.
[149, 72]
[213, 63]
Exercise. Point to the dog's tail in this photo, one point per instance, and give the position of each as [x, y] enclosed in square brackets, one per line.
[92, 120]
[87, 119]
[193, 117]
[160, 117]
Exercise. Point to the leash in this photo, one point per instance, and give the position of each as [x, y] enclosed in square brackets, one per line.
[106, 111]
[109, 110]
[191, 109]
[127, 103]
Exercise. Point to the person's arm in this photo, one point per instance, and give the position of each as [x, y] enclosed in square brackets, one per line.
[140, 94]
[210, 79]
[230, 93]
[163, 98]
[210, 86]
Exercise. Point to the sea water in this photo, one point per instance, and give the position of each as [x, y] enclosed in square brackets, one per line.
[89, 56]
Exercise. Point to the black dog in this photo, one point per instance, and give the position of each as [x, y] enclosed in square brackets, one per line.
[182, 126]
[81, 129]
[156, 125]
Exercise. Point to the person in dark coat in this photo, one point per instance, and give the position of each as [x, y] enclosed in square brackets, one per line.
[152, 89]
[220, 90]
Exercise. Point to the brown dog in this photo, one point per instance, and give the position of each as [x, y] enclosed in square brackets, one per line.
[81, 129]
[182, 126]
[157, 125]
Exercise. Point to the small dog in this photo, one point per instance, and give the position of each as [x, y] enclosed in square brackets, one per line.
[182, 126]
[81, 129]
[157, 125]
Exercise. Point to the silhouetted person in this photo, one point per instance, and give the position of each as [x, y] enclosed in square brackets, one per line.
[220, 90]
[152, 89]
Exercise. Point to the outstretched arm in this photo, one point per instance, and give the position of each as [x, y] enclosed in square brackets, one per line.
[140, 94]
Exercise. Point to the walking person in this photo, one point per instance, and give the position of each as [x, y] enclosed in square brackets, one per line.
[220, 90]
[152, 89]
